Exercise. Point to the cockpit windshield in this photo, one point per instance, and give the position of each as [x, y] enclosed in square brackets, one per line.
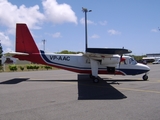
[132, 61]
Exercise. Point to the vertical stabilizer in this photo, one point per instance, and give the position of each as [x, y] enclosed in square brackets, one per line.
[24, 40]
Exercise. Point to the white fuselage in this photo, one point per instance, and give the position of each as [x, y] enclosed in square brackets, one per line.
[81, 64]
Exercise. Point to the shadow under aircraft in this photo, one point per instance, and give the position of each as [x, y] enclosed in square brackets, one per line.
[14, 81]
[87, 90]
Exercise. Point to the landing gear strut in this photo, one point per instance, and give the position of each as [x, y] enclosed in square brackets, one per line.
[145, 77]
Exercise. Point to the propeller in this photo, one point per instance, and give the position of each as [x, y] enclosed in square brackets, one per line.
[120, 61]
[121, 58]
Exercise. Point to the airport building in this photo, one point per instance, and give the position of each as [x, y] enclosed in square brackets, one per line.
[152, 57]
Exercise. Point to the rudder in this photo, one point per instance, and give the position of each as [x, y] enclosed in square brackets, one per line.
[24, 40]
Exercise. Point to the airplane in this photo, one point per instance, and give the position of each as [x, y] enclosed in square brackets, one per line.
[93, 62]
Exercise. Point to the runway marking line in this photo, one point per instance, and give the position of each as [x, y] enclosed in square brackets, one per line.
[139, 90]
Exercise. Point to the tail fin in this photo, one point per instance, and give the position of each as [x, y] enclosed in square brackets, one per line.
[24, 40]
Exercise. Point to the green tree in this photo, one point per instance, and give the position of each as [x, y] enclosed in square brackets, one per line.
[68, 52]
[64, 52]
[21, 67]
[47, 67]
[13, 68]
[138, 57]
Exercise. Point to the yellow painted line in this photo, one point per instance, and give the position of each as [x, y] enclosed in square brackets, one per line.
[156, 81]
[139, 90]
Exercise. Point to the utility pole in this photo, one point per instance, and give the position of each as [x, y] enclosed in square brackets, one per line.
[44, 41]
[85, 10]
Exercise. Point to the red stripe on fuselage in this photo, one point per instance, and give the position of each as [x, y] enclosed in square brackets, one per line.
[36, 58]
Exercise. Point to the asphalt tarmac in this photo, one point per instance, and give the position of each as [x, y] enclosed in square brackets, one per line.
[58, 95]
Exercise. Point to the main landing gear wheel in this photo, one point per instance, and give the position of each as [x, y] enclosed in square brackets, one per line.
[145, 77]
[95, 79]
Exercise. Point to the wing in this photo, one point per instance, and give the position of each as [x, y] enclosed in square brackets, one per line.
[109, 57]
[112, 51]
[100, 53]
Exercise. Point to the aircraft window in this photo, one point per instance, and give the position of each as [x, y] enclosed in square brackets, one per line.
[132, 61]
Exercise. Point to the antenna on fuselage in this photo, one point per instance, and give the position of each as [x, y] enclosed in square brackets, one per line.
[85, 10]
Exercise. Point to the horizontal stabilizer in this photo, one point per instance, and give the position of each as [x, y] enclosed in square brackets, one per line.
[15, 53]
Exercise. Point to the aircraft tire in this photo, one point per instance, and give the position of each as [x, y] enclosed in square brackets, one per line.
[95, 80]
[145, 77]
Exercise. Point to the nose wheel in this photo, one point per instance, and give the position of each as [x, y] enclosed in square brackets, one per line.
[145, 77]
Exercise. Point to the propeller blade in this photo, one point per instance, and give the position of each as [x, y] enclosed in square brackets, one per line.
[120, 60]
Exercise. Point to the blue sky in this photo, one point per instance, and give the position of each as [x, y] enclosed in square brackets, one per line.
[132, 24]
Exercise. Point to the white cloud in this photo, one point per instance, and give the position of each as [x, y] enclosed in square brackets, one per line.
[58, 13]
[154, 30]
[57, 35]
[95, 36]
[11, 14]
[4, 40]
[82, 21]
[103, 23]
[114, 32]
[6, 50]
